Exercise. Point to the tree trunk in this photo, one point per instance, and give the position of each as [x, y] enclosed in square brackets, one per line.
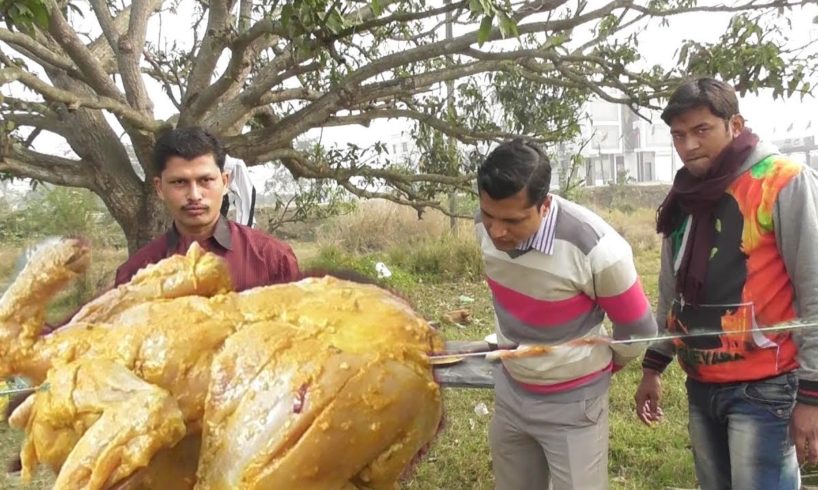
[152, 220]
[142, 217]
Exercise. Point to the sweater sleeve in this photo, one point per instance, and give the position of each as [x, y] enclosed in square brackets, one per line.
[618, 291]
[660, 354]
[795, 219]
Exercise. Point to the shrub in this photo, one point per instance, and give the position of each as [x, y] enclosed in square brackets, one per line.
[446, 257]
[59, 211]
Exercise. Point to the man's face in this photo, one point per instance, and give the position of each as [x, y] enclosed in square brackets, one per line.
[193, 191]
[512, 220]
[699, 136]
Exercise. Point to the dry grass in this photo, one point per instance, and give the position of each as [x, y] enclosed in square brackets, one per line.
[638, 227]
[377, 225]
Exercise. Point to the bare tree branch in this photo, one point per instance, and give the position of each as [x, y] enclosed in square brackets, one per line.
[158, 73]
[739, 7]
[245, 12]
[233, 111]
[418, 204]
[412, 84]
[230, 83]
[399, 17]
[38, 52]
[278, 96]
[92, 70]
[15, 104]
[129, 50]
[74, 101]
[302, 167]
[37, 121]
[204, 64]
[26, 163]
[106, 22]
[463, 134]
[103, 48]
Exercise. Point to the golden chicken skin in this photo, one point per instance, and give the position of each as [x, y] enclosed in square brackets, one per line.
[175, 381]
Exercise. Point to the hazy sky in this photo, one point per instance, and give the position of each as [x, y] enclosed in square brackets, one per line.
[658, 45]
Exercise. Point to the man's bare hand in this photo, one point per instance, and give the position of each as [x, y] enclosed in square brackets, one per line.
[648, 396]
[804, 431]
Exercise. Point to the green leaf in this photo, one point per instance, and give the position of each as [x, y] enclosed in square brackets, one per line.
[376, 6]
[484, 32]
[41, 16]
[286, 15]
[508, 27]
[22, 10]
[305, 14]
[335, 23]
[488, 7]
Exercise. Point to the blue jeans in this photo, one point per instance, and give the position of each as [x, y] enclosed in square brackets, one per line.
[740, 434]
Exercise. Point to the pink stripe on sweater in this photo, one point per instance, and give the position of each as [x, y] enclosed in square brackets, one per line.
[540, 312]
[566, 385]
[626, 307]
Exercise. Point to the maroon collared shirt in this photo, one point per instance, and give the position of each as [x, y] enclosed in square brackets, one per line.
[253, 257]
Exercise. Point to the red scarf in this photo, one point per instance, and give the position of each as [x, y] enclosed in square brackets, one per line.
[698, 197]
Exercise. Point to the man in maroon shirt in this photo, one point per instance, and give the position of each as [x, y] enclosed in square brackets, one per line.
[191, 181]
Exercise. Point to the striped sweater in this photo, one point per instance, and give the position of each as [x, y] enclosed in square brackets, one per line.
[560, 291]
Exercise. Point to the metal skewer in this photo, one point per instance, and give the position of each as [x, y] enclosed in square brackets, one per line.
[784, 326]
[27, 390]
[18, 391]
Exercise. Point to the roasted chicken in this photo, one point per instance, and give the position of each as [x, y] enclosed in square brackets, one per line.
[175, 381]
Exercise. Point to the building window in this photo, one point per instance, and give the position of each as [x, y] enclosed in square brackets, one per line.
[620, 164]
[645, 165]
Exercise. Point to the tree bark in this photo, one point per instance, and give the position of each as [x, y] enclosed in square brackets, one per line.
[142, 217]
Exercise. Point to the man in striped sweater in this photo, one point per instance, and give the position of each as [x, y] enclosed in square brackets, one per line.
[554, 269]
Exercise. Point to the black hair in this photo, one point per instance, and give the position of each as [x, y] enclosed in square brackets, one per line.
[716, 95]
[512, 167]
[188, 143]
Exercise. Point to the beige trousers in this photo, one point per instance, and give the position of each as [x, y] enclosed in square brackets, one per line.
[534, 442]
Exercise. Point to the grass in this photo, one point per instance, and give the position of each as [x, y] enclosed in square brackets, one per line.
[434, 275]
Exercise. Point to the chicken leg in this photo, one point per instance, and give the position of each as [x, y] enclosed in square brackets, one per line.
[96, 423]
[22, 307]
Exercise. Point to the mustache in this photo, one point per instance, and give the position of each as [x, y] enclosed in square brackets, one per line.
[195, 206]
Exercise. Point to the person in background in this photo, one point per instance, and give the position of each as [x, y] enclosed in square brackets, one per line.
[555, 269]
[740, 228]
[240, 192]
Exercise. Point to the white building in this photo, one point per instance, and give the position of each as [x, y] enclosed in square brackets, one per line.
[621, 145]
[401, 147]
[798, 142]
